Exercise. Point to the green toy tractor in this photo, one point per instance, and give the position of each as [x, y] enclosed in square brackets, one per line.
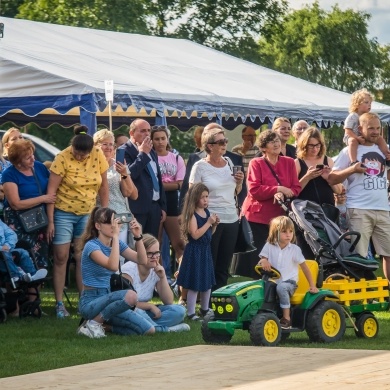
[254, 306]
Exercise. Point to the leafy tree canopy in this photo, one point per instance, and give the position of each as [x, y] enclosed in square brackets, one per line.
[329, 48]
[114, 15]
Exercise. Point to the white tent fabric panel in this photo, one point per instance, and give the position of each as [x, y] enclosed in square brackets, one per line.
[41, 60]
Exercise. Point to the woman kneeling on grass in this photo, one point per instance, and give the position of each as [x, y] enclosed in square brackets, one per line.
[99, 260]
[148, 277]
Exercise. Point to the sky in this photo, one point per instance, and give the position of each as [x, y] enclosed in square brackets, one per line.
[379, 10]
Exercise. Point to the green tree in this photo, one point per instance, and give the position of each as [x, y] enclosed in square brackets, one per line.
[113, 15]
[329, 48]
[232, 26]
[9, 8]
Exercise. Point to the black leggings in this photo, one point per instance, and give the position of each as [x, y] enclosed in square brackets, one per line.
[222, 248]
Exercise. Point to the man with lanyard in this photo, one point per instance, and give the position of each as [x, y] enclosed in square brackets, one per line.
[150, 207]
[367, 195]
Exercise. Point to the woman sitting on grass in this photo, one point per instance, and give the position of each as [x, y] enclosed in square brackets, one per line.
[102, 308]
[148, 277]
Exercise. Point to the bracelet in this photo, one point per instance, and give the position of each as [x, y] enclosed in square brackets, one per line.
[138, 238]
[124, 177]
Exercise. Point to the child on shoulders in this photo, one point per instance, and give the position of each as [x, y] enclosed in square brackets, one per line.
[360, 104]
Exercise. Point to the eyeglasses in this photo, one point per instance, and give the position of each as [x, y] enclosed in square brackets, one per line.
[249, 135]
[301, 128]
[311, 146]
[220, 142]
[150, 255]
[159, 128]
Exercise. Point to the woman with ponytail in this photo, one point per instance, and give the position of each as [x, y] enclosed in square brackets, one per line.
[77, 175]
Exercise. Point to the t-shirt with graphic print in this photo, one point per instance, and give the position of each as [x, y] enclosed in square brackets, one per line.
[367, 190]
[172, 167]
[81, 180]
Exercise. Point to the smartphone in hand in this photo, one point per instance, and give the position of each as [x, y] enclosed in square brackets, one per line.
[120, 155]
[320, 166]
[124, 217]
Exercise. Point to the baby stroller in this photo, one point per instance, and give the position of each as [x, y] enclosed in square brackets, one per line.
[19, 291]
[334, 251]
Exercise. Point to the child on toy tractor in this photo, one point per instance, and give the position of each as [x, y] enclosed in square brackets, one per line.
[281, 253]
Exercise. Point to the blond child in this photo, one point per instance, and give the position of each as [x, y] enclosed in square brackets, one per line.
[360, 104]
[281, 253]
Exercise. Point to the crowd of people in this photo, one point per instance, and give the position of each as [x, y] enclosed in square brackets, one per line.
[96, 181]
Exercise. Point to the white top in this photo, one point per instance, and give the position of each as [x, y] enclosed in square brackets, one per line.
[366, 190]
[144, 289]
[221, 185]
[285, 260]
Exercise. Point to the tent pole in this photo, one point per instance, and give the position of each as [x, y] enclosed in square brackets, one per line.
[110, 115]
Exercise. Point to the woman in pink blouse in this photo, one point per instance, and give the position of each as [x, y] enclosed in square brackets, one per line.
[270, 177]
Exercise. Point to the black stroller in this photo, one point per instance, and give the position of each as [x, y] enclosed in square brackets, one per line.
[334, 251]
[23, 293]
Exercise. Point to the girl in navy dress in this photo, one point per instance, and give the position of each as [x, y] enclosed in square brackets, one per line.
[196, 269]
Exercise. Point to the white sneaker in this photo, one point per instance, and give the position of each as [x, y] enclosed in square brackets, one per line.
[91, 330]
[40, 274]
[179, 328]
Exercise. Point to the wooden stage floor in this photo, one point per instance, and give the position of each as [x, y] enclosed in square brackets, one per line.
[206, 367]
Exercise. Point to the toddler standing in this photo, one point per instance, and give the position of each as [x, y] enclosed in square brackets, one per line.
[196, 269]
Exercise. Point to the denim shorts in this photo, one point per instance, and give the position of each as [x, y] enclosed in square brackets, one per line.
[68, 226]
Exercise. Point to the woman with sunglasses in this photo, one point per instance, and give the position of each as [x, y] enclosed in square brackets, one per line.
[148, 278]
[215, 171]
[271, 177]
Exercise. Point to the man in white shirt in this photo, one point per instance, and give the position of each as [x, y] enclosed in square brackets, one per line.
[367, 195]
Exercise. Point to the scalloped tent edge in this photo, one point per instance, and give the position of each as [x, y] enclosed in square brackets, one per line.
[51, 71]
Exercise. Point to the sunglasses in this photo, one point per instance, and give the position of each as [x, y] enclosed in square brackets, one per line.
[220, 142]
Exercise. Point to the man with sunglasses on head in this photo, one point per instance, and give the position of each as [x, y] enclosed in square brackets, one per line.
[150, 207]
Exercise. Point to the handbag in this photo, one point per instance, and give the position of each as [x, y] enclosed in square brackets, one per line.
[35, 218]
[119, 282]
[244, 242]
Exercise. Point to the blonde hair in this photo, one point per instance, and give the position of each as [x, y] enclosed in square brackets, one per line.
[303, 140]
[366, 117]
[279, 121]
[278, 225]
[358, 97]
[209, 133]
[190, 201]
[101, 135]
[149, 240]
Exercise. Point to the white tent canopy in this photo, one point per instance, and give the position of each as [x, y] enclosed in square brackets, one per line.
[46, 66]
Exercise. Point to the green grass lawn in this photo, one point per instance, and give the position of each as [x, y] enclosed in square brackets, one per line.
[32, 345]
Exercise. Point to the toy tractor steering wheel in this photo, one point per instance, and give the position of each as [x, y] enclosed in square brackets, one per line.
[274, 273]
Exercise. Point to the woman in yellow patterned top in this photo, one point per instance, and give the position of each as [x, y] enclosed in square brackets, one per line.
[77, 175]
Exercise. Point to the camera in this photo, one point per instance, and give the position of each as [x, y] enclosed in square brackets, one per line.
[124, 217]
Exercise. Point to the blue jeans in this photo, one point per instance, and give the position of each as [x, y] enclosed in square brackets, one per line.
[24, 262]
[114, 309]
[171, 315]
[285, 290]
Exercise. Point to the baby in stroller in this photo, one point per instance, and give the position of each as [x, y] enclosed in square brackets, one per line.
[17, 270]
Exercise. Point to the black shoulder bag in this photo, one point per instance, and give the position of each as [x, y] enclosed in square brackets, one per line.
[35, 218]
[119, 282]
